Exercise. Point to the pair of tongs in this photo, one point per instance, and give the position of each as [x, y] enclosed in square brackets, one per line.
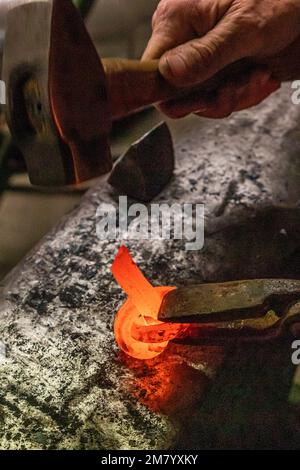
[241, 310]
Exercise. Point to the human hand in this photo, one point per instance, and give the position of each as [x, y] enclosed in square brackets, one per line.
[195, 39]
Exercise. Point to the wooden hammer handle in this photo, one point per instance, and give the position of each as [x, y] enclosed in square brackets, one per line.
[133, 84]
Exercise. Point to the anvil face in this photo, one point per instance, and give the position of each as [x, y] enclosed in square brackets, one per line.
[57, 107]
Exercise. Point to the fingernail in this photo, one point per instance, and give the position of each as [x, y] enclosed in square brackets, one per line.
[173, 65]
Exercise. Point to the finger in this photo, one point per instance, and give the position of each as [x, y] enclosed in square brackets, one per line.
[167, 34]
[221, 105]
[180, 21]
[166, 38]
[253, 97]
[171, 27]
[220, 101]
[246, 97]
[232, 96]
[286, 64]
[200, 59]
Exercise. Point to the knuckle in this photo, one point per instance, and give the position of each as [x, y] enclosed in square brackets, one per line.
[170, 9]
[251, 24]
[154, 19]
[164, 8]
[163, 15]
[201, 56]
[254, 29]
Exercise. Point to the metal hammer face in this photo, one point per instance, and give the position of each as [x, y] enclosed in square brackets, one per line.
[57, 103]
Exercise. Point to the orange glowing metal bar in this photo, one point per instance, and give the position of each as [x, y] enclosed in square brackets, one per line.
[140, 311]
[144, 297]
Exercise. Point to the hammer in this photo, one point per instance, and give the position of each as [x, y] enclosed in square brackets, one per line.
[62, 98]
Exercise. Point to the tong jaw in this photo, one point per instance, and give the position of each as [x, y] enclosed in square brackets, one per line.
[261, 308]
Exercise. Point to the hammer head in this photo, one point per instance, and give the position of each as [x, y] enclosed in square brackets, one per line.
[57, 103]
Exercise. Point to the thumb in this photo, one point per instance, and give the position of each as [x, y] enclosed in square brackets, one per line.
[200, 59]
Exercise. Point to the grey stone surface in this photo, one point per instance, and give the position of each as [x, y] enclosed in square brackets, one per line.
[64, 383]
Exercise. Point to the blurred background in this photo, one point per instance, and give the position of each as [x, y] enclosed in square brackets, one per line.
[119, 28]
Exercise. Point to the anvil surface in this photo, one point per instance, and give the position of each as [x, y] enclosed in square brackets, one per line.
[64, 382]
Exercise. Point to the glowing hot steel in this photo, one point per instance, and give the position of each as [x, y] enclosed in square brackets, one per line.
[136, 320]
